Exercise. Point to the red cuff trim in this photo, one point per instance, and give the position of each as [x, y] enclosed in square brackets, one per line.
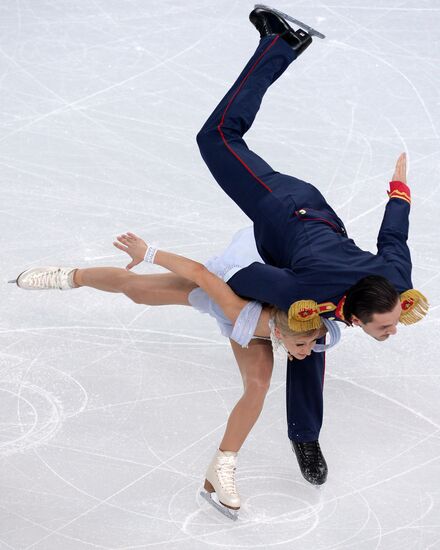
[399, 190]
[400, 186]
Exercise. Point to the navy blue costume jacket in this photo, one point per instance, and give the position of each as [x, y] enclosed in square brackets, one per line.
[325, 263]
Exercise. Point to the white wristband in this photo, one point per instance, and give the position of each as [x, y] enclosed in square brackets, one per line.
[150, 254]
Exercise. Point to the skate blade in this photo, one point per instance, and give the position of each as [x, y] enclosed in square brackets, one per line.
[307, 28]
[231, 514]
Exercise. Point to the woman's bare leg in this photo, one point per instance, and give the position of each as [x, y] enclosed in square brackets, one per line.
[156, 290]
[255, 364]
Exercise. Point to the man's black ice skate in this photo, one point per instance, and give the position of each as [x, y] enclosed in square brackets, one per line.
[269, 22]
[311, 461]
[304, 26]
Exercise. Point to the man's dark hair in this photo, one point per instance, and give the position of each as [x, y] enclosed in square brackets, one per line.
[372, 294]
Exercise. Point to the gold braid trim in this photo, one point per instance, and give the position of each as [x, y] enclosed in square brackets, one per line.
[304, 315]
[399, 195]
[414, 306]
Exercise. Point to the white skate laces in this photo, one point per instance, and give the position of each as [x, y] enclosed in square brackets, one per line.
[46, 278]
[225, 470]
[220, 479]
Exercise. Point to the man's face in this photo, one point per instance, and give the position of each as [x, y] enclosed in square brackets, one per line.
[382, 325]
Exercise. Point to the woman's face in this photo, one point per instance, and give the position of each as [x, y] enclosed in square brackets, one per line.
[298, 347]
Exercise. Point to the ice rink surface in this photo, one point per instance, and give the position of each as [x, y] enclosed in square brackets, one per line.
[110, 411]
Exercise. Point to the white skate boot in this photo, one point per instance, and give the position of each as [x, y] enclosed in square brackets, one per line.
[220, 479]
[45, 278]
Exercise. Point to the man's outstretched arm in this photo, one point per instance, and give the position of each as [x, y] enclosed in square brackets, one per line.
[393, 233]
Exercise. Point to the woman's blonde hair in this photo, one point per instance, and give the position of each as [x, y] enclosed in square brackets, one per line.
[281, 322]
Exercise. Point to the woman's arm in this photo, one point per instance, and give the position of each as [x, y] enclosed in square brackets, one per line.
[215, 287]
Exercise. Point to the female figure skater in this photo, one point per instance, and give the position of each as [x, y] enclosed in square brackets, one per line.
[252, 328]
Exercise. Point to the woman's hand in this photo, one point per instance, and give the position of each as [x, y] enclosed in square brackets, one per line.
[134, 246]
[400, 170]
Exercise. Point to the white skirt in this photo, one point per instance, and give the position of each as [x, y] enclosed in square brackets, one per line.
[241, 252]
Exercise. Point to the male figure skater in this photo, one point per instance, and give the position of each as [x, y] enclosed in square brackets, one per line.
[311, 266]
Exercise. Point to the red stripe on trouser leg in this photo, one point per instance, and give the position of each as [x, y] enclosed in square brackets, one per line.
[219, 127]
[242, 161]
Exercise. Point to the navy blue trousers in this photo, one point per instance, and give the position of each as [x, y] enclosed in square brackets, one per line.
[269, 199]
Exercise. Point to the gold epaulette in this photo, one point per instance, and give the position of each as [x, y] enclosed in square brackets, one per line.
[414, 306]
[304, 315]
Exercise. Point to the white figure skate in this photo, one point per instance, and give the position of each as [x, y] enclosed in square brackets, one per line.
[307, 28]
[220, 479]
[46, 278]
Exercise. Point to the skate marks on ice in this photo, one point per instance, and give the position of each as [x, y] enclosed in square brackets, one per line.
[277, 511]
[36, 397]
[282, 512]
[34, 403]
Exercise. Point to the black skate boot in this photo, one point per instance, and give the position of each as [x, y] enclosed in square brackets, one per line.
[267, 23]
[311, 461]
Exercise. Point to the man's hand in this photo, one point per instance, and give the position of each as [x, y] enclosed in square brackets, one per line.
[134, 246]
[400, 170]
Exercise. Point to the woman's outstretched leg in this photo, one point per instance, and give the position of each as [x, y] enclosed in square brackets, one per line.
[154, 290]
[108, 279]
